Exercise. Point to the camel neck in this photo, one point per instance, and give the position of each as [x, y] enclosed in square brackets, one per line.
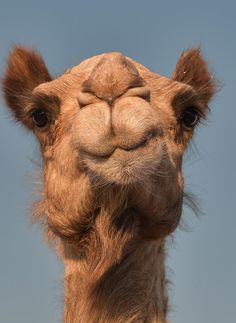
[130, 290]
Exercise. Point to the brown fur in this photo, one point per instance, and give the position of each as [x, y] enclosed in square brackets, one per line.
[25, 70]
[113, 184]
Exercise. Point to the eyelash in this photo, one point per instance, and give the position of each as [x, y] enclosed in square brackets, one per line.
[189, 118]
[40, 118]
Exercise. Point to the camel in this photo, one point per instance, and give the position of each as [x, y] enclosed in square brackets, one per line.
[112, 135]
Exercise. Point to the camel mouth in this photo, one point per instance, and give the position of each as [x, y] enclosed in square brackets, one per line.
[143, 142]
[125, 165]
[122, 147]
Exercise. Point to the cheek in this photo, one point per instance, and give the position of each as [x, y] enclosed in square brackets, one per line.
[91, 129]
[171, 188]
[62, 156]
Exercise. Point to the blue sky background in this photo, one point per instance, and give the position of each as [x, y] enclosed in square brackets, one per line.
[202, 261]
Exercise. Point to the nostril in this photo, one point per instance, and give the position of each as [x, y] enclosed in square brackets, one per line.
[85, 98]
[141, 92]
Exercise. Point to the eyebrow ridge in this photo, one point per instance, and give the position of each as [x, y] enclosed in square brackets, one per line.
[42, 99]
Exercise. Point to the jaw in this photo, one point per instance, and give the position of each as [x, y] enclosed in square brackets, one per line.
[144, 179]
[142, 183]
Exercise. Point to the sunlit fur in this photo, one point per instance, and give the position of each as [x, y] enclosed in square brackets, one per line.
[112, 172]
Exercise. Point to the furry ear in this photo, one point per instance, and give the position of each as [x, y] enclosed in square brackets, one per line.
[25, 70]
[192, 69]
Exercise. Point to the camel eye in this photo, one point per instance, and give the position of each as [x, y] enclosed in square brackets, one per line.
[40, 118]
[189, 117]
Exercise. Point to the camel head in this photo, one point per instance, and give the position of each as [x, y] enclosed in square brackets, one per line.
[112, 136]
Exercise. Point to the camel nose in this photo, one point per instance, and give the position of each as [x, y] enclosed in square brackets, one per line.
[86, 98]
[128, 125]
[115, 108]
[111, 77]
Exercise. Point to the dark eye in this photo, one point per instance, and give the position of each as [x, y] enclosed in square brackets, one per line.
[40, 118]
[189, 117]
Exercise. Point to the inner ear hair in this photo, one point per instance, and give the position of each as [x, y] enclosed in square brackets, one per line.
[25, 70]
[192, 69]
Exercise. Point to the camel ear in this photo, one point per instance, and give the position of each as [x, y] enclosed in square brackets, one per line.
[25, 70]
[192, 69]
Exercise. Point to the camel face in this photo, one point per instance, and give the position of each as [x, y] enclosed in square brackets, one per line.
[112, 136]
[120, 122]
[110, 125]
